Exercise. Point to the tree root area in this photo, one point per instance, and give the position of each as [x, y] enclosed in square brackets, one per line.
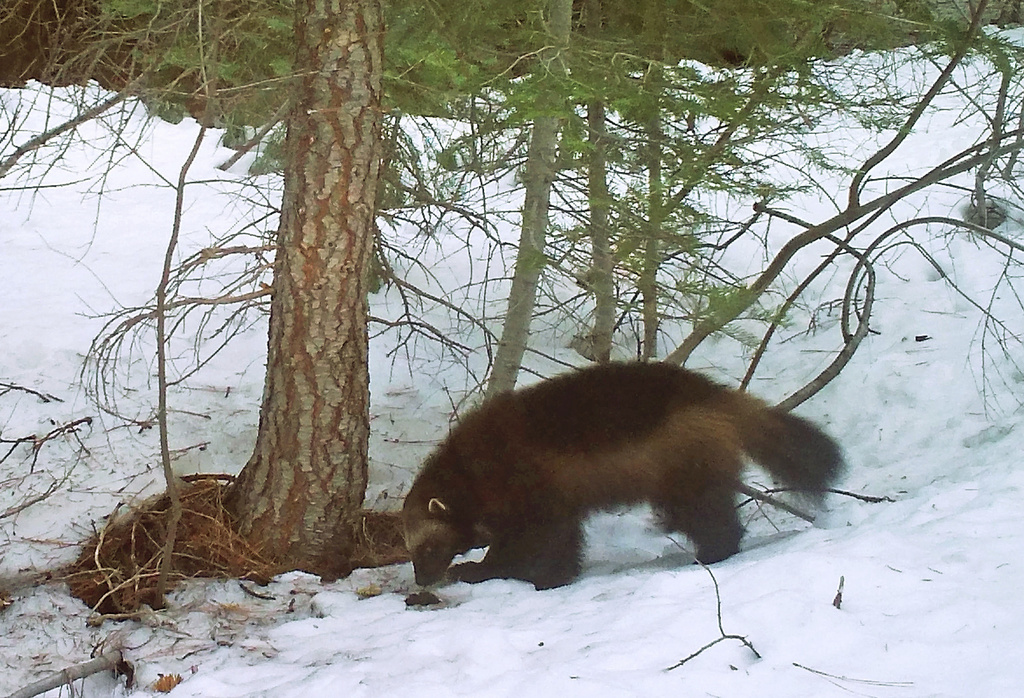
[118, 568]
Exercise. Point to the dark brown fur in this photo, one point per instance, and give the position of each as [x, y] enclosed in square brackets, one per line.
[521, 472]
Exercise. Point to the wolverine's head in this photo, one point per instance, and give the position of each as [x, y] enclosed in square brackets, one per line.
[432, 537]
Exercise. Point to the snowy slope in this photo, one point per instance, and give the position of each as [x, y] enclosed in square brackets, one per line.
[931, 603]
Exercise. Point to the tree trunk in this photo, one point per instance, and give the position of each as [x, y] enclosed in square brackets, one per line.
[602, 265]
[301, 490]
[602, 260]
[538, 176]
[648, 282]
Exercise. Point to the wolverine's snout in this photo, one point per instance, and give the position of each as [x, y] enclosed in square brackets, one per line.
[428, 569]
[432, 543]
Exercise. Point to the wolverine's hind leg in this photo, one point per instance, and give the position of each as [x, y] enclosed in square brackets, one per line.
[546, 554]
[700, 502]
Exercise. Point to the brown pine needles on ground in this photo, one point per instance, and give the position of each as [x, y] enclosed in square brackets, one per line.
[119, 565]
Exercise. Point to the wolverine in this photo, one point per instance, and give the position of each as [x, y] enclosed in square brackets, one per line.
[521, 472]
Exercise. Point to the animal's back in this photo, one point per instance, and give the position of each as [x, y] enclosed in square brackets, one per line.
[586, 440]
[606, 405]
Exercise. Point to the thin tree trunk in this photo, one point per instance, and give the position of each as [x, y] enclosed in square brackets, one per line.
[648, 282]
[598, 345]
[305, 482]
[603, 262]
[170, 479]
[538, 175]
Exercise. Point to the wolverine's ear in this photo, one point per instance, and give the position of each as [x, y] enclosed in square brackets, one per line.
[436, 507]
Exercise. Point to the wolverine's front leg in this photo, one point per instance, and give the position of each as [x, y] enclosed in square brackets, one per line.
[547, 555]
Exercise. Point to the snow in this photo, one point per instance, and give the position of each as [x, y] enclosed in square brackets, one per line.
[931, 576]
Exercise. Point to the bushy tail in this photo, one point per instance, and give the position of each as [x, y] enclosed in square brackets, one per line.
[792, 449]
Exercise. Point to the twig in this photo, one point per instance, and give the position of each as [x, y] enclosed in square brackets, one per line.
[113, 660]
[838, 600]
[862, 497]
[255, 594]
[258, 138]
[760, 496]
[869, 682]
[790, 300]
[31, 501]
[915, 115]
[852, 340]
[45, 397]
[39, 141]
[718, 608]
[38, 441]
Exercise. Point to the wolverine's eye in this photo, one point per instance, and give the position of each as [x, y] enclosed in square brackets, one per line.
[434, 550]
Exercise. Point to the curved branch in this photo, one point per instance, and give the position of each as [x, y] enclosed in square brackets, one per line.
[851, 345]
[864, 263]
[919, 109]
[961, 162]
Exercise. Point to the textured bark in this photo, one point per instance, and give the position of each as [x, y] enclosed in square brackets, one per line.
[648, 281]
[602, 283]
[304, 485]
[647, 284]
[538, 175]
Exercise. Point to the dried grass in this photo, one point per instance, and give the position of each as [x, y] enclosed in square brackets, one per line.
[119, 565]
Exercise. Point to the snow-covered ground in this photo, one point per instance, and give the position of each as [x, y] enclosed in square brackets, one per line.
[927, 412]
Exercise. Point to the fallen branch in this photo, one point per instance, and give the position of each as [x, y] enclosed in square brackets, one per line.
[862, 497]
[112, 660]
[766, 496]
[38, 441]
[768, 499]
[255, 594]
[723, 635]
[868, 682]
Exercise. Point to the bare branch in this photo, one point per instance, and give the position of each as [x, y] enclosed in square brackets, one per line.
[258, 138]
[760, 496]
[915, 115]
[852, 341]
[112, 660]
[869, 682]
[45, 397]
[963, 161]
[41, 139]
